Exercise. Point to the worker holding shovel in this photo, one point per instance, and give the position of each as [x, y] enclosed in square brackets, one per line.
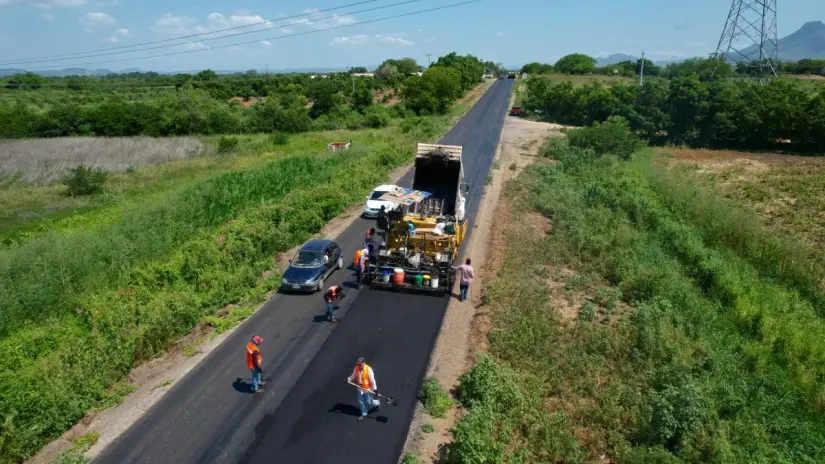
[364, 378]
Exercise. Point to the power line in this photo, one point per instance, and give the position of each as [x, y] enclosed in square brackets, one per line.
[387, 18]
[210, 38]
[269, 21]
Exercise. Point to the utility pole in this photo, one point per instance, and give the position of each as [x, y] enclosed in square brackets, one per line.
[642, 73]
[429, 60]
[266, 70]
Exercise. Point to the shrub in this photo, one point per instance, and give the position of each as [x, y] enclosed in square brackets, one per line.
[83, 180]
[279, 138]
[428, 428]
[610, 137]
[410, 459]
[377, 116]
[435, 399]
[227, 144]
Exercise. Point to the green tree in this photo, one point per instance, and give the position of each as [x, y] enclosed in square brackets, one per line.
[433, 92]
[324, 96]
[358, 69]
[575, 63]
[363, 95]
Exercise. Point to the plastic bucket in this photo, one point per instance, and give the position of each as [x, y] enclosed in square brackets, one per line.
[398, 276]
[434, 282]
[385, 277]
[418, 280]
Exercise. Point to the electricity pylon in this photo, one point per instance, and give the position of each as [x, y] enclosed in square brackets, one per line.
[749, 39]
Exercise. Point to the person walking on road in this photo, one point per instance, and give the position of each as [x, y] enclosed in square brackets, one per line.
[466, 272]
[364, 378]
[361, 267]
[383, 222]
[332, 294]
[253, 362]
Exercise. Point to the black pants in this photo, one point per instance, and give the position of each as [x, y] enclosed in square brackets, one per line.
[358, 275]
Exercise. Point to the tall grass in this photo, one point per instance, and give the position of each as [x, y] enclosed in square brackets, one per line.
[46, 160]
[719, 356]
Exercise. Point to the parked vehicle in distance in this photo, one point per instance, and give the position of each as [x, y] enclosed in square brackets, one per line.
[515, 111]
[373, 204]
[511, 76]
[312, 264]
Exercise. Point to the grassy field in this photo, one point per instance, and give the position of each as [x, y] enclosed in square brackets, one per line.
[786, 191]
[92, 287]
[580, 80]
[644, 317]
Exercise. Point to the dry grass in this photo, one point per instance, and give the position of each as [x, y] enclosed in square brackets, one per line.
[784, 190]
[44, 161]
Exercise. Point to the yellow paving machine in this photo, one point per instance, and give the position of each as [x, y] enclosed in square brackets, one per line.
[424, 234]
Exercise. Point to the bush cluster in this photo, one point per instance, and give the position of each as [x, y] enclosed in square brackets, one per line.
[693, 109]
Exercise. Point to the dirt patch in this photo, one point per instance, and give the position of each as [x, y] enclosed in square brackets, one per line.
[380, 95]
[703, 156]
[466, 324]
[244, 103]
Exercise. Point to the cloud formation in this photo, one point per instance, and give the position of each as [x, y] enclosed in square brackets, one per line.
[96, 19]
[392, 39]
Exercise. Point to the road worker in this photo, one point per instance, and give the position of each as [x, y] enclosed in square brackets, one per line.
[364, 378]
[332, 294]
[361, 267]
[253, 362]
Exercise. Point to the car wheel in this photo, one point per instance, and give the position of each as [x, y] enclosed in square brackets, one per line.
[340, 263]
[320, 284]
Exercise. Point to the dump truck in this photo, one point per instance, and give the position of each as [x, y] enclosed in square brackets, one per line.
[421, 244]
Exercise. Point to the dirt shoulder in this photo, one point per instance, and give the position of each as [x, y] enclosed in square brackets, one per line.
[461, 332]
[150, 381]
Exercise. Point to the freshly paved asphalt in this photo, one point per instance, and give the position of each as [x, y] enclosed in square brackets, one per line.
[307, 413]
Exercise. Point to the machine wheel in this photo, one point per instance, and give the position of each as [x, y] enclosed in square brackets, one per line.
[340, 263]
[320, 284]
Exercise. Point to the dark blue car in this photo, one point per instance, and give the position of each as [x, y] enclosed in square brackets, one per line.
[313, 263]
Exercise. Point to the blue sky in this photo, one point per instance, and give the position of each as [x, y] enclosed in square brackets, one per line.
[512, 32]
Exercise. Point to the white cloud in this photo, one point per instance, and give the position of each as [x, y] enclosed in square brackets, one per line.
[122, 31]
[48, 16]
[419, 30]
[172, 25]
[195, 46]
[219, 21]
[113, 39]
[500, 34]
[98, 18]
[266, 43]
[352, 39]
[317, 20]
[48, 4]
[392, 39]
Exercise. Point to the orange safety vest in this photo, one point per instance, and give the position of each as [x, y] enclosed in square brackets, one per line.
[363, 377]
[357, 261]
[252, 350]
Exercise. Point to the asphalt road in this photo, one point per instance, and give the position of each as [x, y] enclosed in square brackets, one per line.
[307, 413]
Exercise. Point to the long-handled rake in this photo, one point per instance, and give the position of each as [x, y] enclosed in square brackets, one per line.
[387, 399]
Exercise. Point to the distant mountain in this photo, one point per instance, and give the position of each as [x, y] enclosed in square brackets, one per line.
[615, 58]
[807, 42]
[102, 72]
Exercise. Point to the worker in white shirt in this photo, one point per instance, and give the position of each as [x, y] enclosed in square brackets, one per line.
[439, 228]
[364, 378]
[361, 267]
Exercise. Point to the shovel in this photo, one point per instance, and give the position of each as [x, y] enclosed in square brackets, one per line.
[392, 401]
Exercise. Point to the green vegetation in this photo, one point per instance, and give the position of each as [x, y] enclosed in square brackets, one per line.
[85, 442]
[434, 398]
[428, 428]
[694, 109]
[208, 104]
[699, 338]
[82, 180]
[91, 293]
[410, 459]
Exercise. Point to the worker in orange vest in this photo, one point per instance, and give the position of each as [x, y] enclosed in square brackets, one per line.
[332, 294]
[253, 362]
[364, 378]
[361, 267]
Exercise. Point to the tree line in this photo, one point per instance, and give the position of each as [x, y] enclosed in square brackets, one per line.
[578, 63]
[699, 109]
[206, 103]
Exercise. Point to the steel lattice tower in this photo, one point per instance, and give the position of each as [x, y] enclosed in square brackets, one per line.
[749, 38]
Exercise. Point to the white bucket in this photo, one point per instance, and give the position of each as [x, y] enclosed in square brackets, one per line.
[434, 282]
[385, 277]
